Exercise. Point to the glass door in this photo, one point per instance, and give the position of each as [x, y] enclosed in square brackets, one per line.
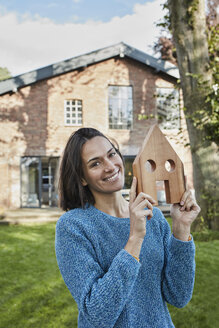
[30, 182]
[38, 181]
[49, 188]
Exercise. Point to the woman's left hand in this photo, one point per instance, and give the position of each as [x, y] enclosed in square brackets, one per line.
[183, 215]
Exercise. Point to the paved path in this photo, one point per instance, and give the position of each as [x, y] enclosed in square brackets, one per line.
[31, 216]
[42, 215]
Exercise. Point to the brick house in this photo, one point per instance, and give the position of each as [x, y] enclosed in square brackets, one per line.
[118, 90]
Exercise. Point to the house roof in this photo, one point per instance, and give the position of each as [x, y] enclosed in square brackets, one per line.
[120, 49]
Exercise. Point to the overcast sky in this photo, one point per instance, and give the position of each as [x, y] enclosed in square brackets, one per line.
[37, 33]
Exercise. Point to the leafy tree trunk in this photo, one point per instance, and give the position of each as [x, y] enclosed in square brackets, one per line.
[188, 25]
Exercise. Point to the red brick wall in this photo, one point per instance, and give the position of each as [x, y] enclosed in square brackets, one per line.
[32, 119]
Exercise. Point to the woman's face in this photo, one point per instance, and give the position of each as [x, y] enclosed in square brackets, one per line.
[102, 167]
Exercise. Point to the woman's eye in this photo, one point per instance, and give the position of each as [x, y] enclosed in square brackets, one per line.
[95, 164]
[112, 154]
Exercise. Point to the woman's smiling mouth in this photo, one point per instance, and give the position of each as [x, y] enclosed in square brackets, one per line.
[112, 177]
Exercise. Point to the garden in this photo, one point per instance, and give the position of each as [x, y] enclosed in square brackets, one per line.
[34, 295]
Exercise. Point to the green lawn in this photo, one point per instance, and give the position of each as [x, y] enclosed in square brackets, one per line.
[34, 295]
[32, 291]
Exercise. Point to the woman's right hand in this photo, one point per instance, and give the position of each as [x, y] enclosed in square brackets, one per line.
[137, 211]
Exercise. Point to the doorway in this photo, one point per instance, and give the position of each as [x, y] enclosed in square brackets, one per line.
[38, 181]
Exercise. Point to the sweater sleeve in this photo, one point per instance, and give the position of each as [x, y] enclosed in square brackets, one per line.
[100, 296]
[179, 269]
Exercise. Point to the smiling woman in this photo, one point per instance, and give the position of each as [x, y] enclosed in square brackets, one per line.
[90, 161]
[102, 166]
[119, 259]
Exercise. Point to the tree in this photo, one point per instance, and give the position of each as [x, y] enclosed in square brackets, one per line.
[4, 73]
[206, 118]
[165, 46]
[187, 21]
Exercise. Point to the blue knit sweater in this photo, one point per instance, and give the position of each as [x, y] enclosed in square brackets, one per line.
[113, 289]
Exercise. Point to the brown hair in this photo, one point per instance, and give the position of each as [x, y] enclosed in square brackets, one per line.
[72, 194]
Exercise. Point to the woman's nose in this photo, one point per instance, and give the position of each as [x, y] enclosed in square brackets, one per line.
[109, 166]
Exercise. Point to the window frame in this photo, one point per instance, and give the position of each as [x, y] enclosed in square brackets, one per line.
[76, 112]
[114, 125]
[172, 113]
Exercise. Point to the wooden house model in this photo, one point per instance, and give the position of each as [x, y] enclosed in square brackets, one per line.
[157, 161]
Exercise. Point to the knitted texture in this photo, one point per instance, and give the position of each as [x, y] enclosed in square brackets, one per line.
[113, 289]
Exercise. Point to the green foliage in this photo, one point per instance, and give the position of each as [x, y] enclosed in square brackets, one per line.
[209, 195]
[165, 23]
[192, 11]
[206, 119]
[4, 73]
[146, 117]
[206, 235]
[211, 116]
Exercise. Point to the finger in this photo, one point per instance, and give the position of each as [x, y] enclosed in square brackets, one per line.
[132, 192]
[144, 203]
[193, 206]
[174, 206]
[147, 214]
[186, 194]
[142, 196]
[186, 182]
[188, 205]
[197, 208]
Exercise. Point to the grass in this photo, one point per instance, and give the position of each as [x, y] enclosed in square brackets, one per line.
[202, 311]
[33, 293]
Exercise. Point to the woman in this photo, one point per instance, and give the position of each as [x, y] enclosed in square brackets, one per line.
[119, 260]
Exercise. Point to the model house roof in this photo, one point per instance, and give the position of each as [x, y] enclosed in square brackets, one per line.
[121, 49]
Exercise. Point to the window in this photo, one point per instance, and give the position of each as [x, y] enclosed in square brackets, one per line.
[128, 160]
[128, 171]
[168, 108]
[73, 112]
[120, 107]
